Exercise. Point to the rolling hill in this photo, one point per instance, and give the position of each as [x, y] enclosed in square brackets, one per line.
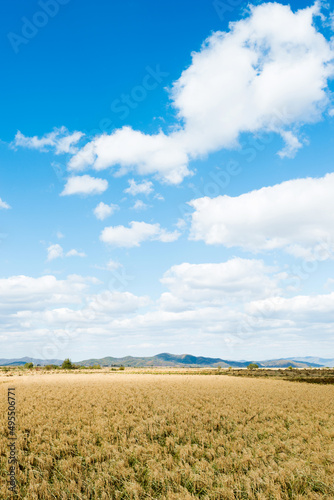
[178, 360]
[182, 360]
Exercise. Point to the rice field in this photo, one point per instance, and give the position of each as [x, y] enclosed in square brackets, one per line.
[112, 435]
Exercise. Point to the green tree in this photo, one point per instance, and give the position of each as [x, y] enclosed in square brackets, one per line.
[67, 364]
[51, 367]
[29, 366]
[252, 366]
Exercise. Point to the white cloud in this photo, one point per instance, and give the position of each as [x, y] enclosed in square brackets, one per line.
[331, 20]
[301, 308]
[4, 205]
[27, 292]
[219, 283]
[60, 140]
[55, 252]
[268, 73]
[148, 154]
[296, 216]
[181, 224]
[145, 187]
[292, 144]
[75, 253]
[212, 306]
[134, 235]
[102, 210]
[98, 309]
[39, 307]
[84, 184]
[139, 205]
[111, 265]
[60, 235]
[122, 302]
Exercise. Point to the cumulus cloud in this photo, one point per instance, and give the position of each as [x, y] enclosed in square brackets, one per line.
[268, 73]
[45, 307]
[22, 292]
[75, 253]
[211, 305]
[236, 278]
[301, 308]
[134, 235]
[122, 302]
[84, 185]
[296, 216]
[4, 205]
[55, 251]
[145, 187]
[102, 210]
[60, 140]
[99, 309]
[148, 154]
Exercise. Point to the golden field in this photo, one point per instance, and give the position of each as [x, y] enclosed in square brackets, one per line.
[110, 435]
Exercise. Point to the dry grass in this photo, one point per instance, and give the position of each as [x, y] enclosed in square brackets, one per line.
[116, 435]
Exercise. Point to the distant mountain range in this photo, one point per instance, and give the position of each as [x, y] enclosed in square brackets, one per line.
[315, 359]
[180, 360]
[23, 361]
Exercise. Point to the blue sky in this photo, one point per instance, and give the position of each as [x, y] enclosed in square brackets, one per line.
[134, 154]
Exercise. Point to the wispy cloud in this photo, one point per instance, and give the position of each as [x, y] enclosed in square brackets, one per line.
[56, 251]
[75, 253]
[4, 205]
[84, 185]
[135, 234]
[60, 140]
[139, 205]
